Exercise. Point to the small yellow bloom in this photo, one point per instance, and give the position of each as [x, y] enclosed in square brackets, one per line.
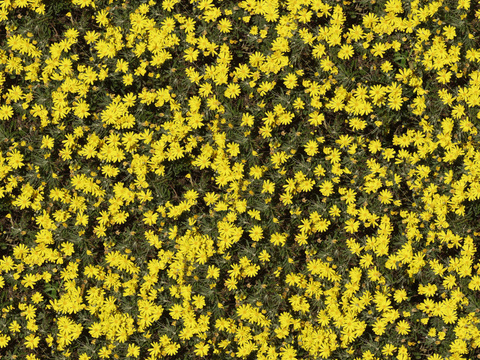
[150, 218]
[256, 233]
[213, 272]
[224, 25]
[201, 349]
[403, 328]
[311, 148]
[233, 90]
[290, 81]
[346, 52]
[387, 67]
[268, 187]
[31, 341]
[264, 256]
[400, 295]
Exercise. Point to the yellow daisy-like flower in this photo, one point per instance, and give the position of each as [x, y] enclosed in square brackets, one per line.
[213, 272]
[400, 295]
[201, 349]
[268, 187]
[264, 256]
[278, 239]
[311, 148]
[256, 233]
[346, 52]
[47, 142]
[290, 81]
[15, 159]
[316, 118]
[387, 66]
[31, 341]
[150, 218]
[233, 90]
[127, 79]
[81, 108]
[191, 54]
[133, 350]
[6, 112]
[403, 327]
[385, 197]
[225, 26]
[449, 32]
[4, 339]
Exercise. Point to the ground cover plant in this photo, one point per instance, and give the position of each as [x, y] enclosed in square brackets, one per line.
[259, 179]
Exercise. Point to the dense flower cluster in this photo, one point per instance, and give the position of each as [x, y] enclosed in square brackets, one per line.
[259, 179]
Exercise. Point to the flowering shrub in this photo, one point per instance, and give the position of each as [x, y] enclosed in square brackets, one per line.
[259, 179]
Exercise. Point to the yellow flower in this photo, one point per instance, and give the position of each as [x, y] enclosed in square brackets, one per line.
[278, 239]
[394, 6]
[449, 32]
[264, 256]
[290, 81]
[474, 284]
[84, 3]
[346, 52]
[268, 187]
[31, 341]
[233, 149]
[122, 66]
[400, 295]
[387, 66]
[102, 18]
[224, 25]
[464, 4]
[150, 218]
[298, 104]
[81, 108]
[15, 93]
[247, 120]
[256, 233]
[374, 146]
[316, 118]
[110, 171]
[242, 71]
[379, 49]
[233, 90]
[385, 197]
[176, 311]
[4, 339]
[100, 231]
[311, 148]
[14, 327]
[191, 54]
[403, 328]
[127, 79]
[67, 248]
[427, 290]
[198, 301]
[29, 280]
[91, 36]
[256, 172]
[326, 188]
[172, 348]
[201, 349]
[351, 225]
[213, 272]
[211, 198]
[231, 284]
[15, 159]
[104, 352]
[47, 142]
